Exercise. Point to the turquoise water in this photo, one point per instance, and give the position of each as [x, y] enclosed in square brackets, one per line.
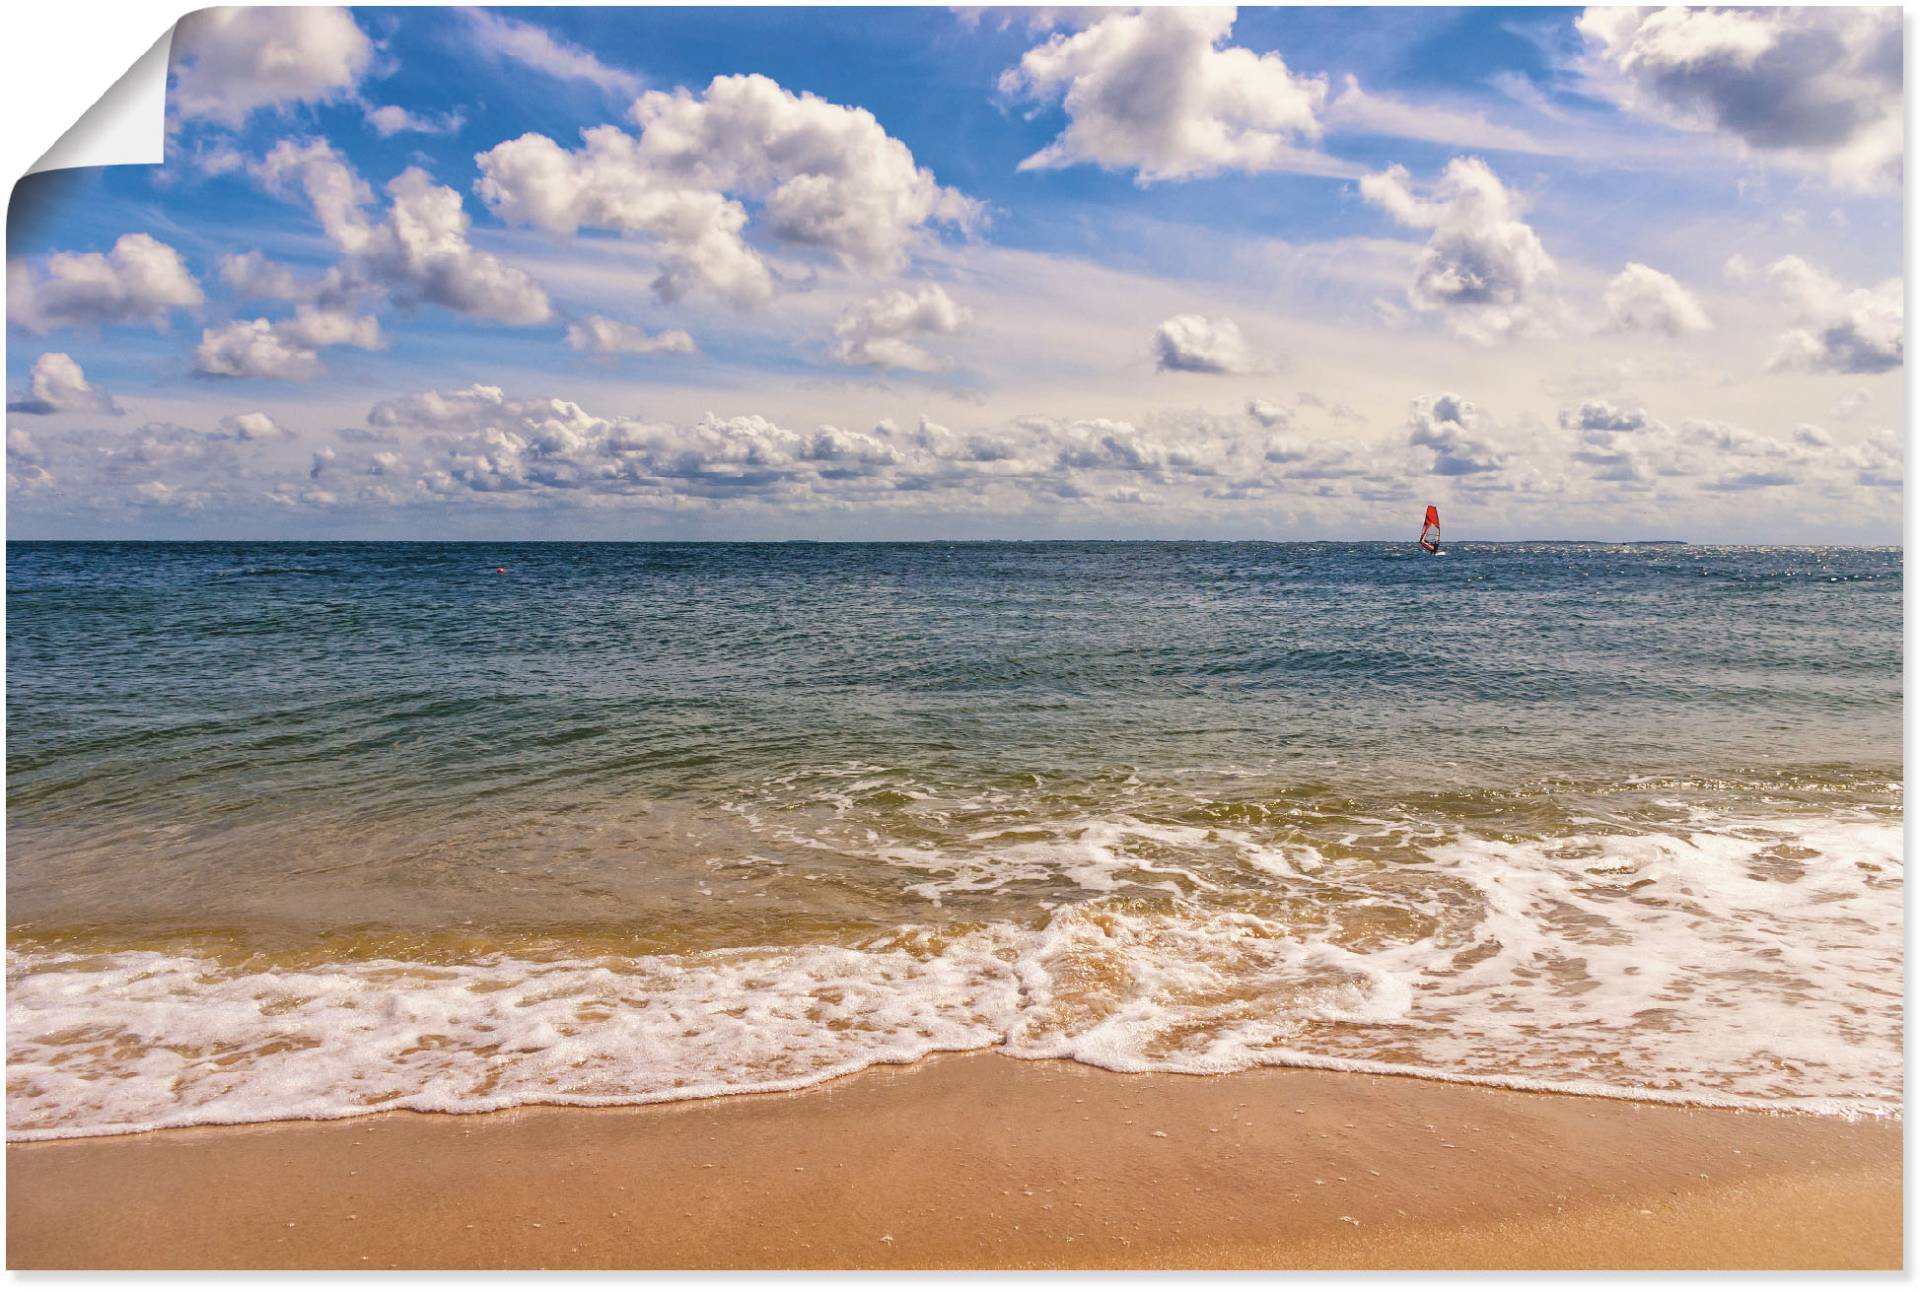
[305, 829]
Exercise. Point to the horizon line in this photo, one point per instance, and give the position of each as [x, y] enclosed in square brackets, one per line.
[874, 542]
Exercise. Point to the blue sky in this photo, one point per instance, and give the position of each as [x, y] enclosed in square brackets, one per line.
[930, 272]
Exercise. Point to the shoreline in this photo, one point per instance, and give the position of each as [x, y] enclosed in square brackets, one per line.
[1834, 1108]
[979, 1161]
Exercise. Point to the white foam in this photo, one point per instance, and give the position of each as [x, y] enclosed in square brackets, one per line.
[1742, 963]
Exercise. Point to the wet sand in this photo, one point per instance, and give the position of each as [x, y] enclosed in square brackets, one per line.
[982, 1161]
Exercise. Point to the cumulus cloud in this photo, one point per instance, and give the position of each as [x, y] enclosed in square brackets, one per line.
[57, 385]
[1447, 425]
[141, 280]
[1817, 85]
[155, 464]
[824, 177]
[597, 334]
[537, 48]
[1841, 329]
[1642, 299]
[26, 474]
[883, 332]
[1878, 462]
[492, 443]
[1483, 268]
[1600, 415]
[254, 276]
[1160, 93]
[1622, 445]
[287, 349]
[608, 184]
[417, 249]
[479, 439]
[1735, 459]
[1193, 343]
[1631, 449]
[253, 426]
[227, 63]
[1269, 414]
[469, 407]
[391, 119]
[481, 446]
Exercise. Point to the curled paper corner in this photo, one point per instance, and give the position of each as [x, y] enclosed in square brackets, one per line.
[126, 126]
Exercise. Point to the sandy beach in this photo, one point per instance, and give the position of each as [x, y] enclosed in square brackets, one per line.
[982, 1161]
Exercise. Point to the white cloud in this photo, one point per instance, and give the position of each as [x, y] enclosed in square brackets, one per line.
[536, 47]
[480, 440]
[598, 334]
[1620, 445]
[1854, 404]
[1483, 268]
[469, 407]
[1817, 85]
[58, 385]
[215, 155]
[881, 332]
[253, 426]
[286, 349]
[1629, 449]
[1848, 330]
[1613, 466]
[423, 247]
[254, 276]
[1601, 415]
[1034, 19]
[141, 280]
[1878, 462]
[1269, 414]
[1193, 343]
[1736, 459]
[1447, 425]
[26, 474]
[1157, 92]
[391, 119]
[417, 249]
[227, 63]
[823, 177]
[1354, 111]
[1642, 299]
[609, 183]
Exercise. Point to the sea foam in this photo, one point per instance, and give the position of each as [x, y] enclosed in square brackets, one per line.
[1727, 962]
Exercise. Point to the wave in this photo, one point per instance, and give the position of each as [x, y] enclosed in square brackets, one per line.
[1754, 965]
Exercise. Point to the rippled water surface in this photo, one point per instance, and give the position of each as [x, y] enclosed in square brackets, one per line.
[302, 830]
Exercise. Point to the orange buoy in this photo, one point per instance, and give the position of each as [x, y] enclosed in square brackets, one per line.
[499, 569]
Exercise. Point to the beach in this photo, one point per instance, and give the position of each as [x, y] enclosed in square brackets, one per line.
[980, 1161]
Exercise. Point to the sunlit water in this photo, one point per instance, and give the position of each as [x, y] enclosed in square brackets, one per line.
[307, 830]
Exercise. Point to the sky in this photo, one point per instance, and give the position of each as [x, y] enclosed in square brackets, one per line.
[979, 273]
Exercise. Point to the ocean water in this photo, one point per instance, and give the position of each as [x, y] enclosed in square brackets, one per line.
[307, 830]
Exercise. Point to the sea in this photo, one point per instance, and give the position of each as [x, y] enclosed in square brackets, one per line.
[310, 830]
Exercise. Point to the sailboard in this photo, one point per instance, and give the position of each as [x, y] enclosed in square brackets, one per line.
[1430, 532]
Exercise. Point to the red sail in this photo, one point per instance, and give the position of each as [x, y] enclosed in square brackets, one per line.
[1430, 532]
